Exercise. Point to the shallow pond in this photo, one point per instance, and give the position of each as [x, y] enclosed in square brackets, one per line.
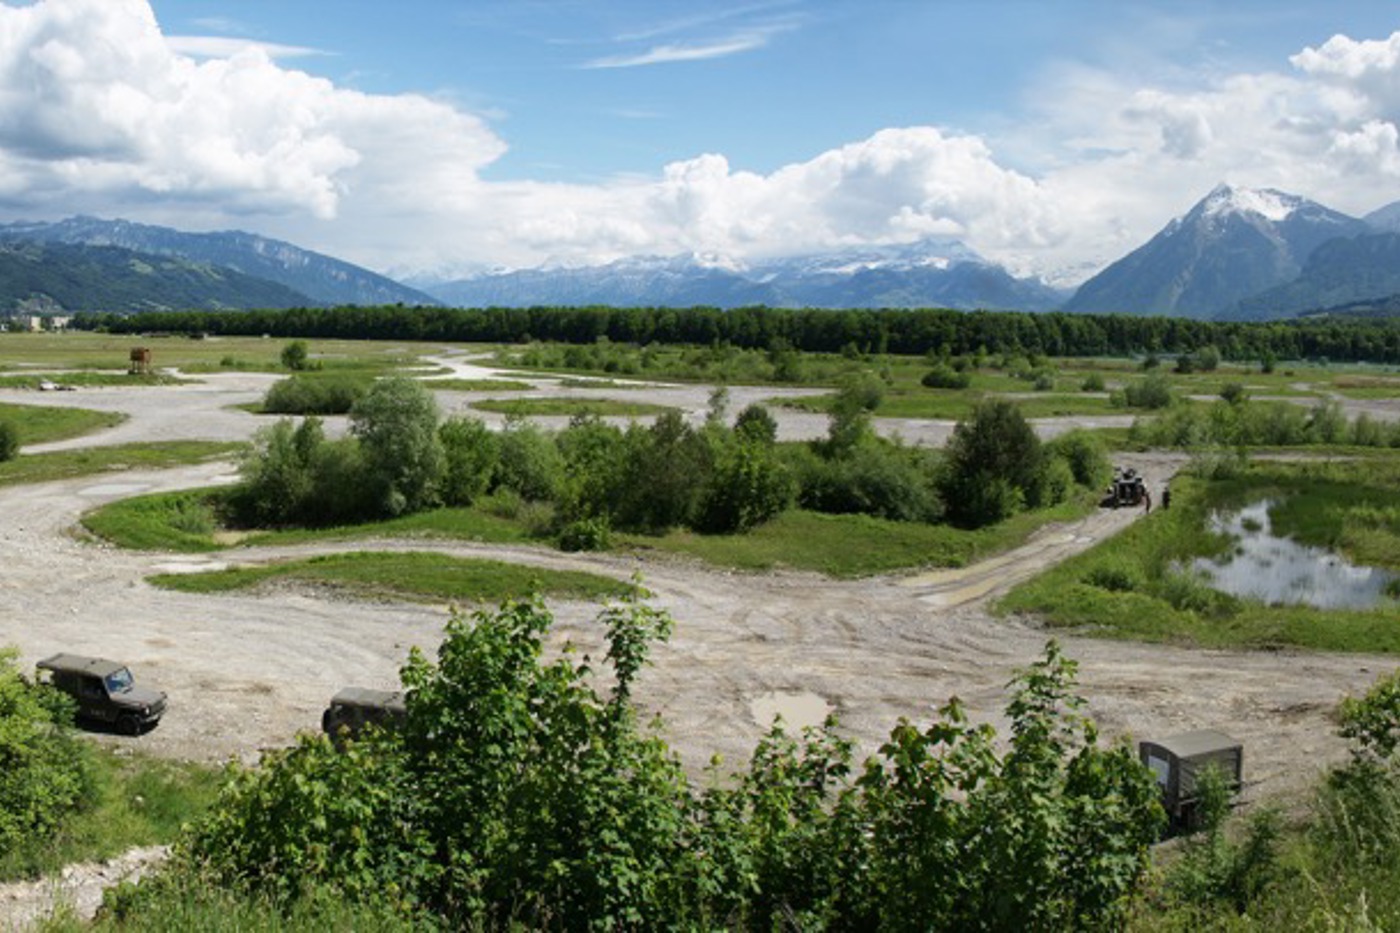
[1280, 570]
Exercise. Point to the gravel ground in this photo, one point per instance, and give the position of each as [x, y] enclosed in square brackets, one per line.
[247, 672]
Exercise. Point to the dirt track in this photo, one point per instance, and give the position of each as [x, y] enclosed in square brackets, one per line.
[246, 672]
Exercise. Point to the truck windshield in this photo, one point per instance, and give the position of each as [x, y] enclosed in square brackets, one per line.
[119, 681]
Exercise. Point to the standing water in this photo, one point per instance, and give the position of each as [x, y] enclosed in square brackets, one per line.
[1279, 570]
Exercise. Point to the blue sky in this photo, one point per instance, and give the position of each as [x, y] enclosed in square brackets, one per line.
[440, 137]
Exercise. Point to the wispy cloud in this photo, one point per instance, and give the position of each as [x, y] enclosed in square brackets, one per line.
[228, 46]
[687, 52]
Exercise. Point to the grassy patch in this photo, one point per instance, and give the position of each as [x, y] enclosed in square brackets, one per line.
[47, 467]
[1134, 586]
[849, 545]
[79, 350]
[137, 801]
[412, 575]
[173, 522]
[569, 407]
[39, 424]
[955, 405]
[91, 379]
[477, 385]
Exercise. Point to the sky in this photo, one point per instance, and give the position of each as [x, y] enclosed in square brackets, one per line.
[435, 138]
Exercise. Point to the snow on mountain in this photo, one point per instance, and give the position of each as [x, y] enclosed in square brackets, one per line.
[1234, 243]
[937, 272]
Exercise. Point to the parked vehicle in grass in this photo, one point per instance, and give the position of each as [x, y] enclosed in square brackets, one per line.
[355, 708]
[105, 691]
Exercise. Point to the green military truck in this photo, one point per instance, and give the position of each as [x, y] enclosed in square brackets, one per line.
[105, 691]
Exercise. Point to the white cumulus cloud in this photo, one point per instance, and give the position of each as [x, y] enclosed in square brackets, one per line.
[102, 113]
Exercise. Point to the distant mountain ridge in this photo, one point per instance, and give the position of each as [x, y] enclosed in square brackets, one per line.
[38, 277]
[1234, 244]
[319, 279]
[928, 273]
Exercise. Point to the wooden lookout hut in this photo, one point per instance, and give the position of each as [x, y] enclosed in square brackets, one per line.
[140, 361]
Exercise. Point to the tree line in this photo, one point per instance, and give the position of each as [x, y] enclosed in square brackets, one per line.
[813, 330]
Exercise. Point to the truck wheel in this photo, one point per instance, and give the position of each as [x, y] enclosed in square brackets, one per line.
[128, 724]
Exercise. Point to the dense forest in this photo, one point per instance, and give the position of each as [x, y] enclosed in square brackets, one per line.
[914, 332]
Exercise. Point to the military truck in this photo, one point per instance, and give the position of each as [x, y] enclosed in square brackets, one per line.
[354, 708]
[1127, 490]
[104, 690]
[1179, 760]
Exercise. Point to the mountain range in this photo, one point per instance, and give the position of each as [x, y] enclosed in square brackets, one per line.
[935, 272]
[152, 255]
[1238, 254]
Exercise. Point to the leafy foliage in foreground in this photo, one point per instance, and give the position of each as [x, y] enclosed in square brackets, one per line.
[44, 773]
[519, 792]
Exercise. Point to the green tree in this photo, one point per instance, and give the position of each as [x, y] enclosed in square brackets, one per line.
[993, 465]
[529, 461]
[471, 453]
[9, 441]
[295, 355]
[748, 486]
[277, 476]
[396, 423]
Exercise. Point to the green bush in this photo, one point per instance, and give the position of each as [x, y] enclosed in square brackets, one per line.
[748, 486]
[1092, 383]
[517, 795]
[470, 456]
[47, 773]
[396, 423]
[295, 355]
[943, 376]
[9, 441]
[994, 465]
[1151, 392]
[529, 462]
[333, 394]
[585, 534]
[1087, 458]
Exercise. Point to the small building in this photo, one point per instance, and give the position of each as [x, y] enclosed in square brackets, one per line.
[1178, 761]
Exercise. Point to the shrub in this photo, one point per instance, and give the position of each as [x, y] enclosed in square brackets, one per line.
[47, 773]
[875, 478]
[519, 795]
[295, 355]
[756, 423]
[943, 376]
[1092, 383]
[1086, 456]
[1044, 380]
[1114, 578]
[9, 441]
[1150, 392]
[529, 462]
[585, 534]
[396, 423]
[314, 395]
[749, 486]
[1234, 393]
[470, 454]
[994, 465]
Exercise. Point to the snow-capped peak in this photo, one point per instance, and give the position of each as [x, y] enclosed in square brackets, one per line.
[1268, 203]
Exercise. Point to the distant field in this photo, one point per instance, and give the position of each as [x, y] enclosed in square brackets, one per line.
[77, 350]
